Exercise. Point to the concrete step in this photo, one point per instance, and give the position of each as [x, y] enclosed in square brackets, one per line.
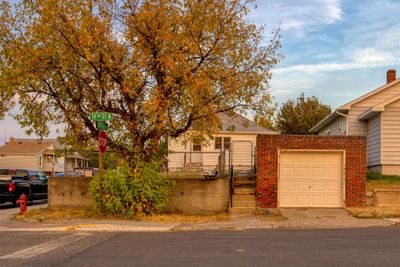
[244, 191]
[244, 204]
[244, 178]
[246, 210]
[242, 183]
[243, 198]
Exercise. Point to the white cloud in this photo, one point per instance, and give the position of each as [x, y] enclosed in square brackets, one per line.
[334, 11]
[297, 17]
[362, 58]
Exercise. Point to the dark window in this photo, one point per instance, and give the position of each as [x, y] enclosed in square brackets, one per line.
[227, 142]
[218, 142]
[196, 145]
[49, 159]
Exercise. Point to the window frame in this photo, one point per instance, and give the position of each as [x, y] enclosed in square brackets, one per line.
[227, 145]
[196, 145]
[218, 145]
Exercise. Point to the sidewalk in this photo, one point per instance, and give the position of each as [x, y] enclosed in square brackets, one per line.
[292, 218]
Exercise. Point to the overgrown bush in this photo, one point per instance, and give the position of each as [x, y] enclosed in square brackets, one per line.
[123, 195]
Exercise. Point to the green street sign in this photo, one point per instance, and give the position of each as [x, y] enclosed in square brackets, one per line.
[101, 116]
[102, 125]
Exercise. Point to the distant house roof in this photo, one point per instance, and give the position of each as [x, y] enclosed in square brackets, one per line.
[240, 124]
[20, 147]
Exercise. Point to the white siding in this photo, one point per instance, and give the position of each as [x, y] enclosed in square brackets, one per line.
[357, 127]
[380, 97]
[18, 162]
[177, 160]
[337, 127]
[391, 134]
[242, 151]
[374, 141]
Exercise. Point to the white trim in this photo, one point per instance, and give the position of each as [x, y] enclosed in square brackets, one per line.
[343, 170]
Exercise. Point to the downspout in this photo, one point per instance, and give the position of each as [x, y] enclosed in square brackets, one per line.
[347, 120]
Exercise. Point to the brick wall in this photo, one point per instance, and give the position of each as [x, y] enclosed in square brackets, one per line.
[267, 164]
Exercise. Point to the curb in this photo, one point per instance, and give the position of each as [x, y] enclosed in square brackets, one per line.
[91, 228]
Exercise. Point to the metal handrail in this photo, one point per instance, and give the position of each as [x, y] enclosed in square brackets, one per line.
[232, 185]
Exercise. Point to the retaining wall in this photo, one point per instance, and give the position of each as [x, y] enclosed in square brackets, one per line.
[199, 196]
[189, 196]
[385, 198]
[69, 192]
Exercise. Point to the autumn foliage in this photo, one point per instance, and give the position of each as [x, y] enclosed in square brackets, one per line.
[160, 66]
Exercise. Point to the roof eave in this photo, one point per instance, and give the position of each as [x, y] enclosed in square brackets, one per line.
[368, 114]
[348, 105]
[324, 122]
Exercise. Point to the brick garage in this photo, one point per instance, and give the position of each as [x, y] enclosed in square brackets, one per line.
[270, 147]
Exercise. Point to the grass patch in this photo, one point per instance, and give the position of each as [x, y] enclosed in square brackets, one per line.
[374, 212]
[54, 216]
[61, 216]
[380, 181]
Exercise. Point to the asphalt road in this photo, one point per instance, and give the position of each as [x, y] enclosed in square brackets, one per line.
[274, 247]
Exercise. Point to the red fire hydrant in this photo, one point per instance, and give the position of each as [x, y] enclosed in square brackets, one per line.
[22, 201]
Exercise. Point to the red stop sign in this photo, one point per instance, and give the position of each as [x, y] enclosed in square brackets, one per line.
[102, 141]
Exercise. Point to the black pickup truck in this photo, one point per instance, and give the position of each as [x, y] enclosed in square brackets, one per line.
[13, 183]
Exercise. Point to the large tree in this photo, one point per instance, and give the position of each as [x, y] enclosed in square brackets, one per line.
[160, 66]
[299, 116]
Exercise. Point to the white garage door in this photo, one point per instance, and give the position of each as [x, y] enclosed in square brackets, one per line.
[310, 179]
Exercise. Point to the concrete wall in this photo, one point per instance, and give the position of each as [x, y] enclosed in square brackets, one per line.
[69, 192]
[388, 198]
[199, 196]
[190, 196]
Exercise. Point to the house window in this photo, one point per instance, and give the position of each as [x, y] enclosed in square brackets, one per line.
[40, 161]
[49, 159]
[227, 142]
[218, 142]
[2, 156]
[196, 145]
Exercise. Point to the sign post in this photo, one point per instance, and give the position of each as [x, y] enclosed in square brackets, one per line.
[102, 149]
[101, 119]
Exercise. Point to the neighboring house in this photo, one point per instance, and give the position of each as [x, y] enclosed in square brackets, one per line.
[235, 142]
[38, 155]
[375, 115]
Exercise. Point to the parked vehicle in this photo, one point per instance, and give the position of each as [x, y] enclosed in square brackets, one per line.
[15, 182]
[61, 174]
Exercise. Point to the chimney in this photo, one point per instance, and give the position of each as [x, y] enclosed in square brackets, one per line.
[11, 140]
[391, 76]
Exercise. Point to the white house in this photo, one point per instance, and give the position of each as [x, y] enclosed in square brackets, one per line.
[375, 115]
[236, 142]
[37, 155]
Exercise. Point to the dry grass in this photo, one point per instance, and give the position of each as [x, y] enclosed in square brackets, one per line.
[381, 185]
[54, 216]
[60, 216]
[375, 212]
[180, 218]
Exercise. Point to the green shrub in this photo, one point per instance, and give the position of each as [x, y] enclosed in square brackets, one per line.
[146, 194]
[377, 177]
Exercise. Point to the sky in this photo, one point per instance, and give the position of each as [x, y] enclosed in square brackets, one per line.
[335, 50]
